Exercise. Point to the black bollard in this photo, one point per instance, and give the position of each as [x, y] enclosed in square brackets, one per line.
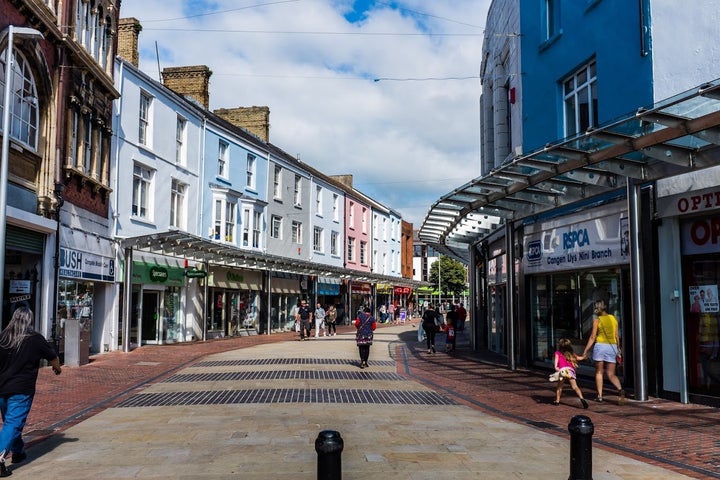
[329, 446]
[581, 431]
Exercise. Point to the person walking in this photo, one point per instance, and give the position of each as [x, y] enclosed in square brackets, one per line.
[320, 320]
[606, 340]
[331, 320]
[21, 350]
[304, 317]
[431, 327]
[365, 324]
[566, 361]
[461, 316]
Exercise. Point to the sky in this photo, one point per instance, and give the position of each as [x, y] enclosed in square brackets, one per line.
[387, 91]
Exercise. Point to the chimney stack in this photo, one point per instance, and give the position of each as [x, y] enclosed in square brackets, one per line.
[193, 82]
[256, 120]
[128, 33]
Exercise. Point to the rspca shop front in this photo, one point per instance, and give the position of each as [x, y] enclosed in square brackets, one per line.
[568, 262]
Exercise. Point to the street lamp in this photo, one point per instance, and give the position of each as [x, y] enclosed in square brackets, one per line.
[9, 62]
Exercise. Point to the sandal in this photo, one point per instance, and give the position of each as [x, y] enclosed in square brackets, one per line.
[556, 403]
[584, 403]
[599, 399]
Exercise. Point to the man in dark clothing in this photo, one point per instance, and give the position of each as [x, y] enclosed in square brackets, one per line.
[461, 316]
[304, 316]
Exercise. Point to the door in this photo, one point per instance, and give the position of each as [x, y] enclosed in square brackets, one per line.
[150, 316]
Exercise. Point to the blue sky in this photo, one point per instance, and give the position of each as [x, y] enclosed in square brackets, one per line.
[384, 90]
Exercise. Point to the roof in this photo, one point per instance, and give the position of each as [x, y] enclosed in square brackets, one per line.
[675, 136]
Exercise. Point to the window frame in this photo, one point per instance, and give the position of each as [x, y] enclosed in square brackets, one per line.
[276, 224]
[571, 96]
[143, 180]
[223, 158]
[251, 165]
[24, 102]
[145, 119]
[296, 232]
[178, 215]
[181, 140]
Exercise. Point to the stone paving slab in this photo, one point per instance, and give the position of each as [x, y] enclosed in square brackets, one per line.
[276, 441]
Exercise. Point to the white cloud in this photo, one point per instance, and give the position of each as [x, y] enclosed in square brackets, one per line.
[405, 140]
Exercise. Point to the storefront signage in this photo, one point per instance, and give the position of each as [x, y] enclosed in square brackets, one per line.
[158, 274]
[701, 235]
[86, 266]
[195, 273]
[596, 242]
[234, 277]
[361, 288]
[403, 290]
[694, 202]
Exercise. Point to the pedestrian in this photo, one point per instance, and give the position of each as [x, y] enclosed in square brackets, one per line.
[431, 326]
[320, 320]
[365, 324]
[461, 316]
[21, 350]
[383, 313]
[566, 361]
[391, 313]
[450, 337]
[304, 317]
[605, 337]
[330, 320]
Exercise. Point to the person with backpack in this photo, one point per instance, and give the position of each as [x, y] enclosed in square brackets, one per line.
[431, 326]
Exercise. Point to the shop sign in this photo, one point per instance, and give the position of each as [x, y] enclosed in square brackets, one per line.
[583, 244]
[158, 274]
[195, 273]
[86, 266]
[701, 235]
[144, 273]
[361, 288]
[693, 202]
[403, 290]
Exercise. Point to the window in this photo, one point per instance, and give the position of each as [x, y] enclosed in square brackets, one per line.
[551, 17]
[87, 145]
[222, 158]
[297, 198]
[363, 253]
[336, 207]
[363, 219]
[376, 225]
[580, 96]
[180, 136]
[351, 215]
[177, 204]
[318, 200]
[384, 230]
[24, 114]
[276, 226]
[144, 119]
[317, 239]
[351, 249]
[246, 227]
[277, 182]
[225, 220]
[296, 232]
[142, 181]
[73, 148]
[257, 222]
[250, 173]
[334, 237]
[230, 222]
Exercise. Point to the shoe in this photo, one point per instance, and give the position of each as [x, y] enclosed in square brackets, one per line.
[433, 348]
[4, 471]
[584, 403]
[621, 400]
[429, 351]
[599, 399]
[362, 364]
[556, 403]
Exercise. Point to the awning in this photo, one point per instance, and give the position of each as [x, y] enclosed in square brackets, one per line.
[196, 250]
[678, 135]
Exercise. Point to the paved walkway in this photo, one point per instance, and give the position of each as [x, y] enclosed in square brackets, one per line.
[252, 407]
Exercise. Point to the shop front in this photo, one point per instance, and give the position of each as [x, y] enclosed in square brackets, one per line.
[691, 220]
[360, 297]
[158, 302]
[568, 263]
[235, 302]
[326, 290]
[285, 294]
[23, 270]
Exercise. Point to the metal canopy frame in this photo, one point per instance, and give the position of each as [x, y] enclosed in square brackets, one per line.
[199, 250]
[675, 136]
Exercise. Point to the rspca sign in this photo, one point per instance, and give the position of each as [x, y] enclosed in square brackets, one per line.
[564, 244]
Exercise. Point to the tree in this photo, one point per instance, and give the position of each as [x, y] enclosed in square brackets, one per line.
[453, 276]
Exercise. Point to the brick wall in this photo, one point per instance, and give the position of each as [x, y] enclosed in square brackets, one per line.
[128, 32]
[192, 81]
[254, 119]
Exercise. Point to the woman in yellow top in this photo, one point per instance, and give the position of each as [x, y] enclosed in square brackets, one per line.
[606, 339]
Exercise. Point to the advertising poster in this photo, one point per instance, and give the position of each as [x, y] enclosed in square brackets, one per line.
[704, 299]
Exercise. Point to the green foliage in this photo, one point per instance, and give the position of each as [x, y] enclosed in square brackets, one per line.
[453, 276]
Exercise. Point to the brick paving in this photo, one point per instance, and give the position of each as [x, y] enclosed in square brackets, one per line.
[682, 438]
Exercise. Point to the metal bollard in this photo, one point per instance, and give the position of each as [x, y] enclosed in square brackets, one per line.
[329, 446]
[581, 430]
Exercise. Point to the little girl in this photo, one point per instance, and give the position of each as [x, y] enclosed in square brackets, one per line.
[566, 362]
